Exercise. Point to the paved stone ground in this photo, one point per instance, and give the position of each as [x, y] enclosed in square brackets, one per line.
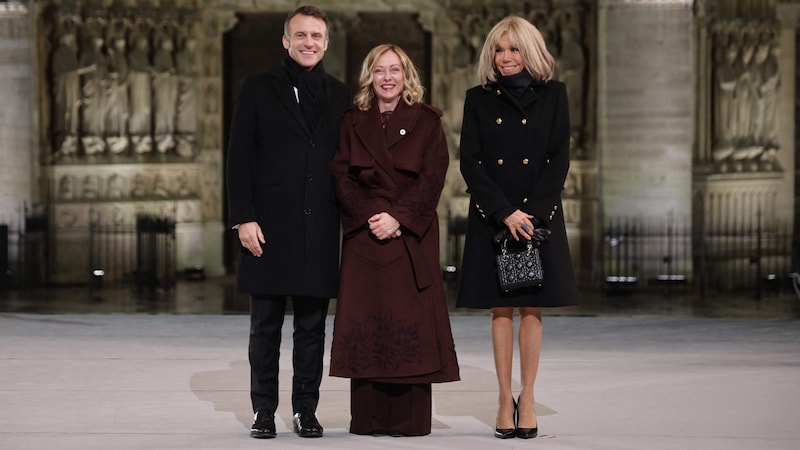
[611, 381]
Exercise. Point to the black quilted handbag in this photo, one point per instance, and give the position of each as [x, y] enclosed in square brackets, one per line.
[520, 266]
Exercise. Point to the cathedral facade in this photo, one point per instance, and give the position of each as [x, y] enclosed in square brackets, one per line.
[682, 112]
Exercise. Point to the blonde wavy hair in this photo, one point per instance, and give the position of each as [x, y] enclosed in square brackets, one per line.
[524, 36]
[412, 87]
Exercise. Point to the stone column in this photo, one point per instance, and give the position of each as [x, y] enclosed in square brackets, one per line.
[645, 108]
[16, 120]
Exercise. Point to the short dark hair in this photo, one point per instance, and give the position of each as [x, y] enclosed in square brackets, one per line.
[306, 10]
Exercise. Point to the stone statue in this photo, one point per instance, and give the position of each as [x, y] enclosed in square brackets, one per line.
[769, 81]
[744, 90]
[139, 82]
[117, 104]
[95, 67]
[66, 94]
[165, 92]
[724, 100]
[186, 120]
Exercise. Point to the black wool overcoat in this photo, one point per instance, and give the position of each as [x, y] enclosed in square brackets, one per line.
[515, 155]
[278, 174]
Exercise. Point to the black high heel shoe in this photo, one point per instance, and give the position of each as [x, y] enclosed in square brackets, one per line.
[527, 433]
[508, 433]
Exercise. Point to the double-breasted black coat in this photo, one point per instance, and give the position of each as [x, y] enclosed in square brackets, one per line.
[391, 320]
[515, 155]
[278, 174]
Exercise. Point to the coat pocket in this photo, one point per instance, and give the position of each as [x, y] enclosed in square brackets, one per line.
[367, 247]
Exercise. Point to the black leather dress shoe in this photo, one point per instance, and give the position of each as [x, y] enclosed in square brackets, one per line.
[306, 425]
[263, 426]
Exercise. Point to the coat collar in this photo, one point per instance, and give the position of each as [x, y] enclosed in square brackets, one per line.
[523, 102]
[377, 141]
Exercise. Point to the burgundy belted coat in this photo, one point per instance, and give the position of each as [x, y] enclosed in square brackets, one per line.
[391, 321]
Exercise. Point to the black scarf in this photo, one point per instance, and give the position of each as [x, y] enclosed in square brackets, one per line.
[309, 84]
[517, 83]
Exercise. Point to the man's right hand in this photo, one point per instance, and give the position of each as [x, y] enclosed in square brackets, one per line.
[251, 237]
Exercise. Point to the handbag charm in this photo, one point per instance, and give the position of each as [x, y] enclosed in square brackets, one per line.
[518, 267]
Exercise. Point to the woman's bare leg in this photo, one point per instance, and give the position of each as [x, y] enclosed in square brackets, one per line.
[530, 343]
[503, 346]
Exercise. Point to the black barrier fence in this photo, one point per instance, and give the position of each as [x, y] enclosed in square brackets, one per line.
[143, 254]
[645, 253]
[23, 252]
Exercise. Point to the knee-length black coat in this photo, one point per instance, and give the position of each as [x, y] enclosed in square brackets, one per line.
[278, 174]
[391, 321]
[515, 155]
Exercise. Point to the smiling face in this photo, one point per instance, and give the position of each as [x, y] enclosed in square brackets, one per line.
[507, 59]
[306, 41]
[387, 80]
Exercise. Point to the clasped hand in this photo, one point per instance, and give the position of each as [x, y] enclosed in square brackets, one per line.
[384, 226]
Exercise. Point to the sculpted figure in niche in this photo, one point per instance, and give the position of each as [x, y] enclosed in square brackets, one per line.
[138, 186]
[186, 122]
[769, 92]
[65, 187]
[90, 189]
[744, 92]
[182, 187]
[95, 67]
[117, 100]
[165, 93]
[724, 95]
[66, 94]
[160, 188]
[572, 67]
[139, 80]
[115, 188]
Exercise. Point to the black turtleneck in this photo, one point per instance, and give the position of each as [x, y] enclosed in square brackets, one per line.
[309, 84]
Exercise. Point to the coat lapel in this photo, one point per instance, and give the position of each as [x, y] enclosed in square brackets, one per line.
[401, 123]
[370, 133]
[285, 91]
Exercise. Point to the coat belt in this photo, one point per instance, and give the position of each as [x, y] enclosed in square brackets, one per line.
[418, 263]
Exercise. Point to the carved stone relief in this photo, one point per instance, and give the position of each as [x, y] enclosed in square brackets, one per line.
[745, 91]
[123, 84]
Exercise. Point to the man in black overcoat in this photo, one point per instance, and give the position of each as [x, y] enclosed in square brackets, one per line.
[284, 132]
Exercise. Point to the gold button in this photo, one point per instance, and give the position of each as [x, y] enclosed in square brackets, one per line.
[402, 131]
[500, 162]
[525, 162]
[499, 121]
[524, 121]
[525, 200]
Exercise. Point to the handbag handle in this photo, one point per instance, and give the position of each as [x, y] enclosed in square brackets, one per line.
[504, 247]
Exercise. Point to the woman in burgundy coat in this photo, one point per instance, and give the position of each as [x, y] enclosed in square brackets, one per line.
[391, 332]
[514, 158]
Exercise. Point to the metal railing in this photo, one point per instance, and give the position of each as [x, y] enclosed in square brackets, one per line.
[143, 254]
[643, 253]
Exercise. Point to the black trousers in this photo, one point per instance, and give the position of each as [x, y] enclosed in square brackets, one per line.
[266, 321]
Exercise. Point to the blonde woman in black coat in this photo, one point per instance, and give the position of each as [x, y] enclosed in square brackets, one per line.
[514, 159]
